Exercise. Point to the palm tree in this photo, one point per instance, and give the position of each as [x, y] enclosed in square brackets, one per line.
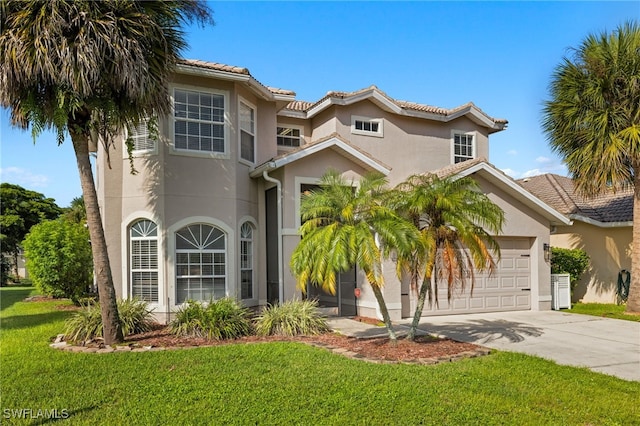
[456, 223]
[346, 226]
[593, 121]
[91, 68]
[76, 212]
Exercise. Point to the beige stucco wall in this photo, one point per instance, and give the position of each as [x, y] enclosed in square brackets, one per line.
[522, 221]
[608, 250]
[408, 146]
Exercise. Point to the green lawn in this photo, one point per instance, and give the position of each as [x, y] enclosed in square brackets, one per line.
[286, 383]
[608, 310]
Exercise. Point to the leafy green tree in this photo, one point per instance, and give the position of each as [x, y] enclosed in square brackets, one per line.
[59, 258]
[569, 261]
[90, 69]
[344, 227]
[20, 209]
[457, 224]
[593, 122]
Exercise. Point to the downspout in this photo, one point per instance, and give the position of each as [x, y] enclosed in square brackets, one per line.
[268, 178]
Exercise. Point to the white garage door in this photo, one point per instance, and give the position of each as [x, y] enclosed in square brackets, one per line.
[508, 289]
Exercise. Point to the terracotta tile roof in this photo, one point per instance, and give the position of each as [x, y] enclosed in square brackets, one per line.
[559, 192]
[454, 169]
[406, 105]
[299, 105]
[214, 66]
[231, 69]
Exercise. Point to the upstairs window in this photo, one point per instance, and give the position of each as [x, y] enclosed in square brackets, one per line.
[366, 126]
[289, 137]
[463, 147]
[140, 138]
[198, 121]
[247, 132]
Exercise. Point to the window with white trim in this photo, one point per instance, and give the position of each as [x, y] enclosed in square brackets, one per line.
[141, 139]
[463, 147]
[201, 263]
[246, 261]
[198, 121]
[366, 126]
[289, 137]
[247, 132]
[143, 267]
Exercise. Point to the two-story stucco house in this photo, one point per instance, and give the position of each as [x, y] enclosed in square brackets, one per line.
[214, 208]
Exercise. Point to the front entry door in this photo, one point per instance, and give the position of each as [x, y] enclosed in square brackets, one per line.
[343, 303]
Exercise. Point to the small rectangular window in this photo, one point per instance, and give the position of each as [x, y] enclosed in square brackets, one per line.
[141, 139]
[289, 137]
[366, 126]
[463, 148]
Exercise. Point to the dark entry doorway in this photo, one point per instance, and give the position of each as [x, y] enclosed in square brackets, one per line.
[271, 220]
[343, 303]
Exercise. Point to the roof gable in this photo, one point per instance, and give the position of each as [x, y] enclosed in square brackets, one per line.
[483, 168]
[333, 142]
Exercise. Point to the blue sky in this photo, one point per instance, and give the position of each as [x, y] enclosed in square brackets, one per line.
[500, 55]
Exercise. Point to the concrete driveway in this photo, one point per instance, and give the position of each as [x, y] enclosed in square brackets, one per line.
[605, 345]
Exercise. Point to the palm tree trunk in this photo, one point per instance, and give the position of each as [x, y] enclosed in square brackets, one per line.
[417, 315]
[393, 340]
[633, 301]
[112, 330]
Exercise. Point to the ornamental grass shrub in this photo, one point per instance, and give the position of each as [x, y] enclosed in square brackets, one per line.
[217, 320]
[86, 324]
[291, 318]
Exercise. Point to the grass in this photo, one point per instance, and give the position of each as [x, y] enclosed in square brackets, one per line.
[607, 310]
[286, 383]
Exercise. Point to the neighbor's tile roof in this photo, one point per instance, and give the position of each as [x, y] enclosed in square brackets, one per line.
[559, 192]
[231, 69]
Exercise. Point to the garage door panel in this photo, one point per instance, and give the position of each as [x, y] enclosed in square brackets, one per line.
[501, 291]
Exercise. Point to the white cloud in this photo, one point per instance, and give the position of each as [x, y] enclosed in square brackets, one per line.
[532, 172]
[512, 152]
[543, 160]
[511, 173]
[23, 177]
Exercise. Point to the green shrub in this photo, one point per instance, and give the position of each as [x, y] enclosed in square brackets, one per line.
[291, 318]
[86, 323]
[569, 261]
[220, 319]
[59, 258]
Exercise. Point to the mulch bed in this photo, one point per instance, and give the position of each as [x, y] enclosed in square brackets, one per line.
[375, 348]
[379, 348]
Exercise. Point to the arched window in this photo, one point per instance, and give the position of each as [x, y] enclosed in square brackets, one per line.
[246, 261]
[201, 263]
[143, 267]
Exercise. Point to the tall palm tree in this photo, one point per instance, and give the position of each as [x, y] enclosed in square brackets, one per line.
[91, 68]
[593, 121]
[457, 223]
[344, 227]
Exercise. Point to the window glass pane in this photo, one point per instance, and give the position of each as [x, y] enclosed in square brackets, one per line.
[246, 146]
[195, 115]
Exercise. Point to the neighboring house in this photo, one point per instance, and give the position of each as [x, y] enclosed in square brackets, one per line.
[602, 226]
[214, 209]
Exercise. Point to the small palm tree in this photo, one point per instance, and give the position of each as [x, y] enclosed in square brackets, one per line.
[456, 223]
[90, 68]
[346, 226]
[593, 121]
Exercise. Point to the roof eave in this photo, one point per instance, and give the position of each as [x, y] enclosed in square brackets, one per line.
[599, 224]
